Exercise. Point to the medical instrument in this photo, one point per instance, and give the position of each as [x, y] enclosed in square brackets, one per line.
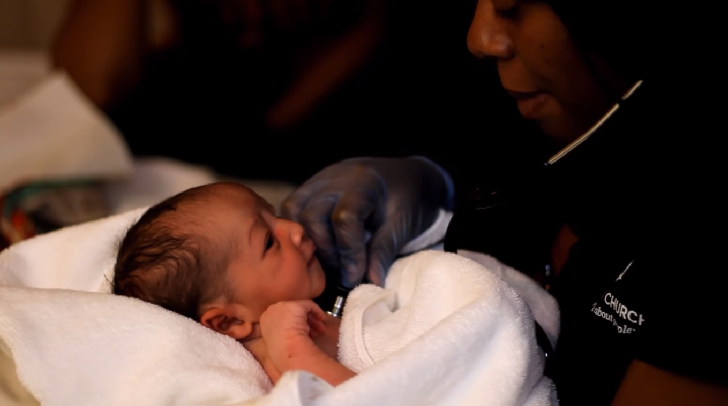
[337, 308]
[334, 297]
[336, 304]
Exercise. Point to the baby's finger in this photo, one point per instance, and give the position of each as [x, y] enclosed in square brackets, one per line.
[320, 326]
[317, 312]
[315, 328]
[315, 324]
[310, 308]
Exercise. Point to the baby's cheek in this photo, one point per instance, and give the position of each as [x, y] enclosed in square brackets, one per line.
[318, 280]
[290, 283]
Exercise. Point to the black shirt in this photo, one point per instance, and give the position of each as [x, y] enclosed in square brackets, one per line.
[645, 281]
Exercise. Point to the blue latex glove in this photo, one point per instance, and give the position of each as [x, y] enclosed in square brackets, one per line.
[394, 199]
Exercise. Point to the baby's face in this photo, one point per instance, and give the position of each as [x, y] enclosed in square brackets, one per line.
[273, 260]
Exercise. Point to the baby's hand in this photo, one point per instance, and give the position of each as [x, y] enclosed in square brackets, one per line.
[288, 329]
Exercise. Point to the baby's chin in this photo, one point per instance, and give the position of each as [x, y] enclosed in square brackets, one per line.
[318, 279]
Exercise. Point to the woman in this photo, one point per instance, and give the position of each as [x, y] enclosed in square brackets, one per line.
[623, 227]
[297, 72]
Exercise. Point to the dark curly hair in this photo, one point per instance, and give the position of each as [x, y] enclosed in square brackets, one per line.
[161, 260]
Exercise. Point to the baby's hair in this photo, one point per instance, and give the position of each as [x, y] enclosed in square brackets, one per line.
[161, 260]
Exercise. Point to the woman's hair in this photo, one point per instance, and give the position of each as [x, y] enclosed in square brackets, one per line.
[161, 260]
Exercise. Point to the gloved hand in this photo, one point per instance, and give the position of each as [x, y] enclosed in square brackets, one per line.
[392, 199]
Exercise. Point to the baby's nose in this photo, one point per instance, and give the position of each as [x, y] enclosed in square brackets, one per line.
[297, 233]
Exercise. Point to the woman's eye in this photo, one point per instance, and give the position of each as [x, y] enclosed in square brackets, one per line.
[268, 241]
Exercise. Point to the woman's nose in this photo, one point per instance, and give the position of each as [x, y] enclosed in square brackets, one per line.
[486, 37]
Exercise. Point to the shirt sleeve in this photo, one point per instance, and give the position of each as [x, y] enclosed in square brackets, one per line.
[684, 285]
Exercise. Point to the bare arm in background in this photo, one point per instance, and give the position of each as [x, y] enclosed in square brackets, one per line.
[102, 45]
[334, 63]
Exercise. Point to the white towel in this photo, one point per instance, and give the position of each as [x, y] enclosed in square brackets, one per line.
[543, 306]
[80, 348]
[445, 331]
[81, 257]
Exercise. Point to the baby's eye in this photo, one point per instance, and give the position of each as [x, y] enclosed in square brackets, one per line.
[268, 241]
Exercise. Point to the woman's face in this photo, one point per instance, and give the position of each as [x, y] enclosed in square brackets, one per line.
[540, 66]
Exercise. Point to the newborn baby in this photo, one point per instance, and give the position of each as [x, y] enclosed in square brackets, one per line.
[219, 255]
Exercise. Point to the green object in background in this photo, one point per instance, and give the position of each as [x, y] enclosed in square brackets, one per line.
[52, 205]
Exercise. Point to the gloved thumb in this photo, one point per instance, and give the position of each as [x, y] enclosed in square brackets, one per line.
[383, 249]
[354, 262]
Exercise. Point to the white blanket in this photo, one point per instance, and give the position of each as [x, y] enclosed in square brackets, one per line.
[446, 331]
[80, 348]
[81, 257]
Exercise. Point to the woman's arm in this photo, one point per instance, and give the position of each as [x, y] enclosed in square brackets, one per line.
[646, 385]
[102, 45]
[333, 64]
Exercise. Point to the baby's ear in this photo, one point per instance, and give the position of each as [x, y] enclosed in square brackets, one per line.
[230, 319]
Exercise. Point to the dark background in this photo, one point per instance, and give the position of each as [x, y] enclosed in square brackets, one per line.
[420, 93]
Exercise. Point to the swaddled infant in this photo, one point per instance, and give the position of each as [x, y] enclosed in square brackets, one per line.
[219, 255]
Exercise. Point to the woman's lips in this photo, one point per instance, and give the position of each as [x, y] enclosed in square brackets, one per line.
[530, 103]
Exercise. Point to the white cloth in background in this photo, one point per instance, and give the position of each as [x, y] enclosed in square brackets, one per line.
[154, 179]
[51, 132]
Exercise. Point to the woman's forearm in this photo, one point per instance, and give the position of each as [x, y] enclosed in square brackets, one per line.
[335, 63]
[102, 45]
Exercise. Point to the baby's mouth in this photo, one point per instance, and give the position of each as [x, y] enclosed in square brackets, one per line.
[312, 258]
[311, 249]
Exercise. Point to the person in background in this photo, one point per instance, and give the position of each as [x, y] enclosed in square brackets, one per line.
[179, 69]
[330, 78]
